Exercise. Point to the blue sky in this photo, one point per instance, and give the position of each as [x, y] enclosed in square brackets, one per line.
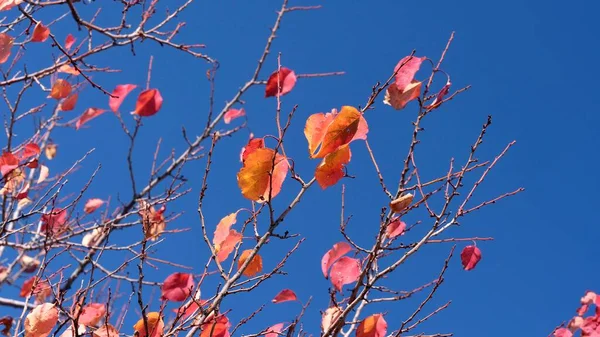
[529, 63]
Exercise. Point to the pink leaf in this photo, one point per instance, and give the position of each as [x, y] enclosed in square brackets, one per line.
[148, 103]
[186, 310]
[177, 287]
[228, 245]
[41, 320]
[284, 296]
[30, 150]
[232, 114]
[344, 271]
[88, 115]
[440, 96]
[398, 99]
[287, 80]
[222, 230]
[226, 238]
[92, 314]
[54, 221]
[92, 205]
[69, 40]
[274, 330]
[118, 95]
[563, 332]
[339, 249]
[395, 228]
[40, 33]
[406, 70]
[470, 256]
[8, 162]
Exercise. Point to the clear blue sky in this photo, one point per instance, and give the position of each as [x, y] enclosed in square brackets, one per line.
[529, 63]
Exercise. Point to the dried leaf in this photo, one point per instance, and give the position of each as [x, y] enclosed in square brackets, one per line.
[148, 103]
[7, 322]
[153, 221]
[330, 315]
[402, 203]
[50, 151]
[44, 172]
[255, 265]
[286, 79]
[40, 33]
[177, 287]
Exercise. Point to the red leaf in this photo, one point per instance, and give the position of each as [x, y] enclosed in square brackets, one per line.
[69, 40]
[395, 228]
[54, 221]
[68, 103]
[148, 103]
[177, 287]
[88, 115]
[284, 296]
[372, 326]
[407, 71]
[92, 204]
[228, 245]
[470, 256]
[41, 291]
[253, 144]
[287, 80]
[331, 169]
[8, 162]
[6, 43]
[339, 249]
[41, 320]
[232, 114]
[92, 314]
[40, 33]
[440, 96]
[30, 150]
[121, 91]
[344, 271]
[215, 327]
[274, 330]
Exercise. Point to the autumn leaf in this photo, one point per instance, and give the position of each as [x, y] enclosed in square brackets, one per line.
[148, 103]
[40, 33]
[36, 287]
[398, 99]
[253, 144]
[344, 271]
[188, 309]
[106, 330]
[8, 162]
[9, 4]
[29, 264]
[402, 203]
[6, 44]
[215, 327]
[440, 96]
[70, 331]
[372, 326]
[254, 178]
[7, 322]
[44, 173]
[470, 256]
[255, 265]
[68, 103]
[41, 320]
[232, 114]
[50, 151]
[69, 40]
[284, 296]
[222, 229]
[274, 330]
[30, 150]
[92, 204]
[153, 221]
[286, 79]
[344, 127]
[118, 95]
[330, 315]
[92, 314]
[406, 70]
[228, 245]
[60, 89]
[563, 332]
[90, 239]
[225, 239]
[338, 250]
[88, 115]
[177, 287]
[395, 228]
[67, 69]
[54, 222]
[155, 325]
[331, 169]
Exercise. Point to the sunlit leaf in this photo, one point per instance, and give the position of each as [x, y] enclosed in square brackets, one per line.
[69, 40]
[329, 316]
[331, 169]
[372, 326]
[6, 44]
[67, 69]
[274, 330]
[232, 114]
[92, 314]
[50, 151]
[338, 250]
[41, 320]
[88, 115]
[106, 330]
[54, 221]
[402, 203]
[118, 95]
[92, 204]
[153, 221]
[395, 228]
[177, 287]
[286, 79]
[406, 70]
[284, 296]
[344, 271]
[253, 144]
[60, 89]
[68, 103]
[155, 325]
[254, 179]
[215, 327]
[40, 33]
[255, 265]
[470, 256]
[346, 126]
[44, 172]
[148, 103]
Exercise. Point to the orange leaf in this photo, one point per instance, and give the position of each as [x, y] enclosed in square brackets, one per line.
[215, 327]
[40, 33]
[121, 91]
[41, 320]
[92, 204]
[315, 128]
[40, 290]
[92, 314]
[228, 245]
[155, 325]
[346, 126]
[331, 169]
[68, 103]
[254, 179]
[65, 68]
[153, 221]
[255, 265]
[398, 99]
[148, 103]
[225, 239]
[69, 40]
[6, 43]
[60, 89]
[88, 115]
[401, 203]
[372, 326]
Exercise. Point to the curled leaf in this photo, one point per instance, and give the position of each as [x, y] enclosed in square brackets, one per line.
[372, 326]
[398, 99]
[155, 325]
[402, 203]
[60, 89]
[92, 204]
[286, 78]
[470, 256]
[50, 151]
[44, 172]
[255, 265]
[406, 70]
[68, 103]
[329, 316]
[88, 115]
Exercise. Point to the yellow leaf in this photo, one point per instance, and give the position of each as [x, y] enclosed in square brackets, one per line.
[255, 265]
